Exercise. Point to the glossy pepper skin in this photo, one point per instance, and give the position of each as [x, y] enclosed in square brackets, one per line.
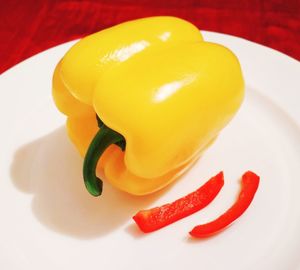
[156, 82]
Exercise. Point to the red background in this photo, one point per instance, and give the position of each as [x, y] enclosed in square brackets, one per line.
[28, 27]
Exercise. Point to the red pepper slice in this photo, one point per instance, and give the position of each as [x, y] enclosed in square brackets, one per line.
[158, 217]
[250, 182]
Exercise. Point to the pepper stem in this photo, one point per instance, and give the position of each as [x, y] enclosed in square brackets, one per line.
[102, 140]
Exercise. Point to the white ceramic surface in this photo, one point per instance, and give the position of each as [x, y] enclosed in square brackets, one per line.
[49, 221]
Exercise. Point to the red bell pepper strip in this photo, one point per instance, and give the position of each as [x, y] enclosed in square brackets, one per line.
[250, 182]
[158, 217]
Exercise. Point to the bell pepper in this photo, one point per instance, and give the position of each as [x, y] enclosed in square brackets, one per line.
[144, 99]
[250, 183]
[158, 217]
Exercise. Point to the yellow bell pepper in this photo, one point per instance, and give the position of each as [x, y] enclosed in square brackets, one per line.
[145, 98]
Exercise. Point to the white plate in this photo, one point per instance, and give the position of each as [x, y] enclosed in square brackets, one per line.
[49, 221]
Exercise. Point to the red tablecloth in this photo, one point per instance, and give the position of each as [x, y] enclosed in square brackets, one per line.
[28, 27]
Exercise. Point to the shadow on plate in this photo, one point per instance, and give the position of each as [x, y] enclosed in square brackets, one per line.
[50, 169]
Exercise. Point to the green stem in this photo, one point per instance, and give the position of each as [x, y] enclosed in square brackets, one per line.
[102, 140]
